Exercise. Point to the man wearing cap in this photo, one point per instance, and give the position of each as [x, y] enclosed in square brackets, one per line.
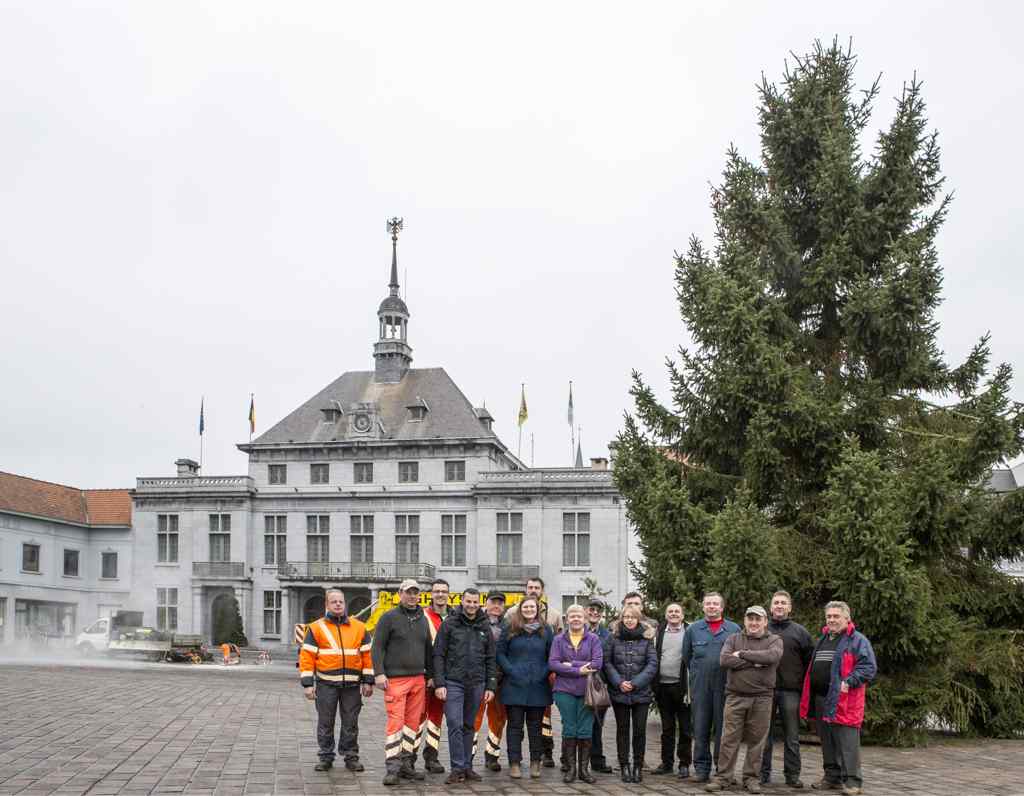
[751, 658]
[403, 662]
[429, 735]
[494, 710]
[595, 624]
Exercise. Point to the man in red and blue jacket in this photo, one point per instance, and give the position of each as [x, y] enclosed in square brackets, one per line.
[835, 686]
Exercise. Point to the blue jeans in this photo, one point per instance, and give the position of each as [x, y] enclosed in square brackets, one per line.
[785, 711]
[707, 710]
[460, 709]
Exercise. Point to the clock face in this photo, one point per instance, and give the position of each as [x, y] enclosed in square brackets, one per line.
[361, 423]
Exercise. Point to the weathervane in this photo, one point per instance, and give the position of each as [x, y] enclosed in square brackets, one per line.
[394, 227]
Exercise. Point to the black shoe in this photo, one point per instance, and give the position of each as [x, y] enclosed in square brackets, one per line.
[471, 776]
[408, 772]
[684, 772]
[549, 761]
[601, 767]
[323, 765]
[492, 763]
[354, 765]
[391, 778]
[638, 772]
[662, 769]
[625, 774]
[433, 767]
[795, 784]
[455, 778]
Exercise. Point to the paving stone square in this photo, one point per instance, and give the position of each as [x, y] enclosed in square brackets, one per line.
[241, 731]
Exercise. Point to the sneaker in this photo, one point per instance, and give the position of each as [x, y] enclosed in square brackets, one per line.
[515, 771]
[455, 778]
[354, 765]
[825, 784]
[535, 769]
[471, 776]
[752, 786]
[323, 765]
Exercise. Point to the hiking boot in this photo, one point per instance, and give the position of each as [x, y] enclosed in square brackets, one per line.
[826, 784]
[431, 764]
[323, 765]
[354, 765]
[471, 776]
[515, 771]
[455, 778]
[535, 769]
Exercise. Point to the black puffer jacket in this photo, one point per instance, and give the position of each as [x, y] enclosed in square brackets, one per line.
[631, 656]
[464, 651]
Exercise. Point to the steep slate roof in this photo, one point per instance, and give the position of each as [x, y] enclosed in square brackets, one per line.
[44, 499]
[450, 415]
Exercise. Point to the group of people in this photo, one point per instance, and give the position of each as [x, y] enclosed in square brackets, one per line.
[716, 686]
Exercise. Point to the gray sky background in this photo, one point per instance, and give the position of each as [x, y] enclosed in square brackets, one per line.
[193, 197]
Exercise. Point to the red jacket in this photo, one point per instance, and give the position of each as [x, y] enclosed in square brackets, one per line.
[854, 663]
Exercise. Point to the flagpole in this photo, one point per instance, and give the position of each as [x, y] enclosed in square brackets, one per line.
[202, 428]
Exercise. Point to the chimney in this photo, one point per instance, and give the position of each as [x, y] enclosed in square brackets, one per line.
[599, 463]
[187, 468]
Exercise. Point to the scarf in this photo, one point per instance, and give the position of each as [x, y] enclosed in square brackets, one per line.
[532, 627]
[635, 634]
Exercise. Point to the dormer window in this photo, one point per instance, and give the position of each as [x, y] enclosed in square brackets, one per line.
[418, 411]
[331, 414]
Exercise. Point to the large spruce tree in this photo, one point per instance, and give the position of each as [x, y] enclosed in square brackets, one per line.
[816, 439]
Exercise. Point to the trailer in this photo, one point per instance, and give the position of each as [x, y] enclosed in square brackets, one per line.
[122, 634]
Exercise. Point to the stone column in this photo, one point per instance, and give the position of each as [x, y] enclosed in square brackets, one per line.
[198, 612]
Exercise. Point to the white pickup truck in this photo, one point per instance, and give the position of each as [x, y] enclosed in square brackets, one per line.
[123, 633]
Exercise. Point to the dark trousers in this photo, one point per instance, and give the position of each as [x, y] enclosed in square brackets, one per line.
[674, 713]
[460, 709]
[840, 749]
[785, 714]
[596, 739]
[630, 725]
[330, 701]
[517, 715]
[707, 710]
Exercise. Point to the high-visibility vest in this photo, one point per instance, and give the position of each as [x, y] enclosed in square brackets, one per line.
[335, 653]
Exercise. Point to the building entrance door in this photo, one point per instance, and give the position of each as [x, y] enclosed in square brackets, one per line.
[313, 608]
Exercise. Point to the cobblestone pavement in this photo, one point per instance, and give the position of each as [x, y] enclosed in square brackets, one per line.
[162, 728]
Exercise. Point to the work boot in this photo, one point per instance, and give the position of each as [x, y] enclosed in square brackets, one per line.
[324, 765]
[515, 771]
[471, 776]
[569, 758]
[408, 770]
[491, 762]
[391, 777]
[535, 769]
[354, 765]
[583, 761]
[430, 761]
[455, 778]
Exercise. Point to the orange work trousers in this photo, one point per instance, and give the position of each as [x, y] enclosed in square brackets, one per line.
[403, 702]
[496, 718]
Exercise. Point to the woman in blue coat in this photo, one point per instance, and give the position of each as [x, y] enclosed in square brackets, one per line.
[630, 666]
[522, 655]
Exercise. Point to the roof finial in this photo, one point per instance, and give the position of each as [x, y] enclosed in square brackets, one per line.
[394, 227]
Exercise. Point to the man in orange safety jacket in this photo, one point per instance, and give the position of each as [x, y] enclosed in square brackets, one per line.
[336, 671]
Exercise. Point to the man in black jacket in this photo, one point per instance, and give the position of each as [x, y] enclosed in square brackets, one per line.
[672, 695]
[402, 663]
[465, 674]
[789, 682]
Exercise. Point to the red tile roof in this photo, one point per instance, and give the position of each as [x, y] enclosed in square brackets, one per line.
[44, 499]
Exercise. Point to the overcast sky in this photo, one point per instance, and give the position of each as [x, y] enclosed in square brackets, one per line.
[193, 200]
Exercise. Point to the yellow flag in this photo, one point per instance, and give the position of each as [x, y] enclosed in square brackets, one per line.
[523, 414]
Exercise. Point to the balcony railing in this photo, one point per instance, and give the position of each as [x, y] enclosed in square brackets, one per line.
[375, 571]
[218, 569]
[506, 573]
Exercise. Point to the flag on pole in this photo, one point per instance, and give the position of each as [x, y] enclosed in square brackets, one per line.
[252, 413]
[202, 420]
[523, 414]
[570, 403]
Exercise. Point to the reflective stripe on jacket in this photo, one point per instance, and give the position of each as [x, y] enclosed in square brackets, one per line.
[335, 652]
